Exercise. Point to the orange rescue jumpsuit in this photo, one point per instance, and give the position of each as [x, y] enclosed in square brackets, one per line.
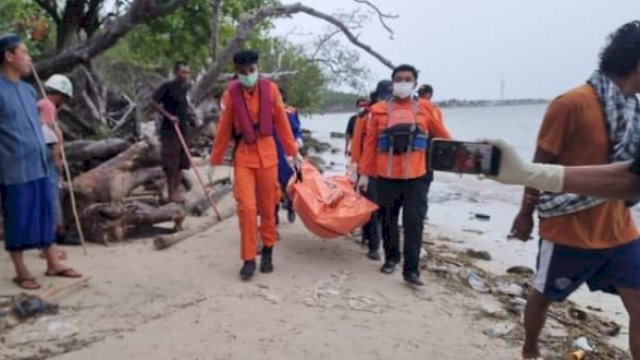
[256, 188]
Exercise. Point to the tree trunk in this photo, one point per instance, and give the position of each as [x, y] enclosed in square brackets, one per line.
[115, 179]
[69, 27]
[140, 12]
[227, 209]
[83, 150]
[215, 28]
[196, 202]
[138, 214]
[110, 223]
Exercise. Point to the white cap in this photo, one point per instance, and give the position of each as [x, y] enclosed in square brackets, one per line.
[61, 84]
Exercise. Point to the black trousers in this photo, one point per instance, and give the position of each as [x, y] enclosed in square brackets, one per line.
[408, 195]
[371, 230]
[429, 179]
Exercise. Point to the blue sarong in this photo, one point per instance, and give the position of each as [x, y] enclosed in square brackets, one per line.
[27, 209]
[55, 192]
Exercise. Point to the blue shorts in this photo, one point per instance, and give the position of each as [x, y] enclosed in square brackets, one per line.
[562, 269]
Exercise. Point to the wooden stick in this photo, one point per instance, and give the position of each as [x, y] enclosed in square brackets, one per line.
[65, 165]
[58, 289]
[227, 210]
[185, 148]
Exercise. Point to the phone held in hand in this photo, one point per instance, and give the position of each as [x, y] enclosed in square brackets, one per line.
[464, 157]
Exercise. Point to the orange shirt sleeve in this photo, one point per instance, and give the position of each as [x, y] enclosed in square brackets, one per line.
[556, 127]
[437, 129]
[368, 158]
[357, 140]
[281, 123]
[439, 113]
[224, 131]
[436, 125]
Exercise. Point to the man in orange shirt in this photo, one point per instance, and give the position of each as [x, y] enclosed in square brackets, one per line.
[586, 239]
[252, 109]
[425, 91]
[395, 149]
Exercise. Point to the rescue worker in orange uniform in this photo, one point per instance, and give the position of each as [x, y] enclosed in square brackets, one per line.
[370, 230]
[394, 152]
[252, 110]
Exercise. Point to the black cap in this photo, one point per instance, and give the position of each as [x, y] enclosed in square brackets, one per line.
[8, 39]
[245, 57]
[384, 90]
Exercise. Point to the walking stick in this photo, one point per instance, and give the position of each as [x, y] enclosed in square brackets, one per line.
[185, 148]
[65, 165]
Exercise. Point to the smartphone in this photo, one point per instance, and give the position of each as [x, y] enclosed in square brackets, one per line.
[464, 157]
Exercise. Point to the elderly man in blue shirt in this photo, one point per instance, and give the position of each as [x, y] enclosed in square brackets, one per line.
[25, 192]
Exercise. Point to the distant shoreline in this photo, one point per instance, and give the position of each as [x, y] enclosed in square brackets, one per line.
[455, 103]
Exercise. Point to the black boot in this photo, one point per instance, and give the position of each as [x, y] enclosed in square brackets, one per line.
[291, 216]
[249, 267]
[413, 279]
[266, 263]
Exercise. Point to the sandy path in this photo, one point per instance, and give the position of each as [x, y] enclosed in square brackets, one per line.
[325, 301]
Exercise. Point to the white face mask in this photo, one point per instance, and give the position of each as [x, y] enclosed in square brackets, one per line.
[402, 90]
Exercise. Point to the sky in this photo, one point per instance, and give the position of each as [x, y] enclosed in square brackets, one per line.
[464, 48]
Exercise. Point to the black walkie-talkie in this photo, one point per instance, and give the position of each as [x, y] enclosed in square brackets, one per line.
[635, 165]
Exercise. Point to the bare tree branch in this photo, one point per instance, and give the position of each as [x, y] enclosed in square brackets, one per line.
[51, 7]
[248, 22]
[215, 28]
[382, 16]
[323, 42]
[91, 18]
[140, 12]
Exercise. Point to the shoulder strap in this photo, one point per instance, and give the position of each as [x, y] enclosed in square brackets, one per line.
[241, 112]
[266, 107]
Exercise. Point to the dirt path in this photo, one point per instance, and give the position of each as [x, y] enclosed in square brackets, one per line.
[324, 301]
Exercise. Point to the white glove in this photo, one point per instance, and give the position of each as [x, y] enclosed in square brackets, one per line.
[363, 183]
[295, 161]
[211, 170]
[300, 143]
[352, 171]
[513, 170]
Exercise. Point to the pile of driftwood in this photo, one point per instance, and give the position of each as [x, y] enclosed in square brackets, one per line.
[120, 188]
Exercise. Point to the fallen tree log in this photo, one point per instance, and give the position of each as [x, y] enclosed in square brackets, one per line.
[115, 179]
[227, 209]
[137, 214]
[109, 223]
[195, 200]
[83, 150]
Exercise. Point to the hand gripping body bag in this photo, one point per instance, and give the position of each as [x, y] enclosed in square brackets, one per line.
[328, 207]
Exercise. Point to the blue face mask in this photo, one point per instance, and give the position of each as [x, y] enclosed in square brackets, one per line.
[248, 81]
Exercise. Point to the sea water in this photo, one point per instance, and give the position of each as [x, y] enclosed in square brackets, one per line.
[454, 199]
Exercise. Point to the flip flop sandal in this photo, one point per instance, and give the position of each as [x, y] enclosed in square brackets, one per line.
[66, 273]
[27, 283]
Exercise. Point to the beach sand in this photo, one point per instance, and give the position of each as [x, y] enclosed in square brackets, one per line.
[325, 300]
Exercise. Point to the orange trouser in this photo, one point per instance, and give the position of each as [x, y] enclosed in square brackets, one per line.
[256, 192]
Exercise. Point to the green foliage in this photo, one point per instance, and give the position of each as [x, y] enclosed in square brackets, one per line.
[28, 20]
[336, 101]
[185, 34]
[304, 86]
